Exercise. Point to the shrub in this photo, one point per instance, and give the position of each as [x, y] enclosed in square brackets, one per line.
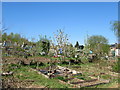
[115, 67]
[41, 64]
[65, 62]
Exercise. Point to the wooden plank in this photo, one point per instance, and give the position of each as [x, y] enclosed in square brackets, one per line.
[93, 84]
[84, 81]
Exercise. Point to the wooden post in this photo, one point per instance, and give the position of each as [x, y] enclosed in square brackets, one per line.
[69, 64]
[37, 64]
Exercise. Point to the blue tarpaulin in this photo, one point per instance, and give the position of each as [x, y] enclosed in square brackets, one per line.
[91, 52]
[60, 50]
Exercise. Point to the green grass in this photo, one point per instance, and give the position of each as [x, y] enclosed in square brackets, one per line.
[115, 67]
[25, 73]
[105, 76]
[108, 85]
[94, 68]
[61, 78]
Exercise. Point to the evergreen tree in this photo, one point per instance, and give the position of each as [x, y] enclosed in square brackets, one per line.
[43, 45]
[77, 45]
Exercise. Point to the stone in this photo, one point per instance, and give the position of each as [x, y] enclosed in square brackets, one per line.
[74, 72]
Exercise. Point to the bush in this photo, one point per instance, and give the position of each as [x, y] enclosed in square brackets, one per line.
[65, 62]
[41, 64]
[61, 78]
[115, 67]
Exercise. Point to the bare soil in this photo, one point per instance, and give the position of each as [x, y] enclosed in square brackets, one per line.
[15, 60]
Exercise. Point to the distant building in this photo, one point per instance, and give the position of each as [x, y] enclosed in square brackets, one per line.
[115, 50]
[7, 43]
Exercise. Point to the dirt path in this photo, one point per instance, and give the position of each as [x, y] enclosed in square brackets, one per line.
[36, 86]
[114, 86]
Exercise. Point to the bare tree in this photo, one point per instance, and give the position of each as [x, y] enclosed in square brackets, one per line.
[62, 40]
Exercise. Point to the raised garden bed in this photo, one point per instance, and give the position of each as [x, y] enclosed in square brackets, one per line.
[71, 76]
[84, 81]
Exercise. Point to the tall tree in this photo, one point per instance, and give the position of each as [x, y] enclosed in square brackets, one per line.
[116, 29]
[97, 44]
[62, 40]
[70, 51]
[43, 45]
[4, 36]
[77, 45]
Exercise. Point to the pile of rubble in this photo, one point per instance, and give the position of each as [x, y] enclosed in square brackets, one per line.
[59, 71]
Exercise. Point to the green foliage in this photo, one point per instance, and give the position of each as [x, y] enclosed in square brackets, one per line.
[116, 28]
[70, 51]
[115, 67]
[77, 45]
[62, 78]
[62, 41]
[97, 39]
[105, 48]
[105, 76]
[13, 38]
[4, 37]
[59, 77]
[84, 59]
[16, 41]
[25, 73]
[98, 44]
[43, 45]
